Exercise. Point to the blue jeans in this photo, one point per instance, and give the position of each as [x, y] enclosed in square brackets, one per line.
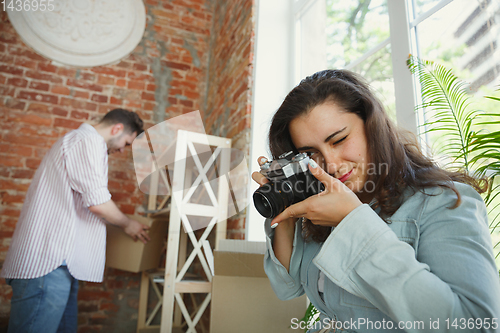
[45, 304]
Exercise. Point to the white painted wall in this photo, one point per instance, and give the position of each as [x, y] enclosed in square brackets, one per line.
[282, 59]
[273, 79]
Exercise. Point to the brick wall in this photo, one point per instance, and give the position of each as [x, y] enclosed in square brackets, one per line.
[178, 67]
[230, 70]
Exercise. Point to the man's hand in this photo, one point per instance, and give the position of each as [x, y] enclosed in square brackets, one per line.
[110, 212]
[137, 230]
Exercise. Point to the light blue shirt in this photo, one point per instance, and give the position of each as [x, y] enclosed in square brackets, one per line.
[425, 268]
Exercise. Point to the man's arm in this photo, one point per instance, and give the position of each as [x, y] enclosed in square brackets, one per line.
[113, 215]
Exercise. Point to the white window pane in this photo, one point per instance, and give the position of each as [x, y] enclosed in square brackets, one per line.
[421, 6]
[464, 36]
[312, 38]
[377, 70]
[353, 28]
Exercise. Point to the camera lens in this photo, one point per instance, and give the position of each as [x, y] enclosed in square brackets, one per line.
[270, 201]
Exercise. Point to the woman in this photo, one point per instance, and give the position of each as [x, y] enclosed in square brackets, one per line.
[393, 243]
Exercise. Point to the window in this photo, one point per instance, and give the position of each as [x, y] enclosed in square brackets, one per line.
[372, 38]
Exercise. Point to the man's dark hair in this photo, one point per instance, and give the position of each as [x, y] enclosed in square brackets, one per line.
[130, 120]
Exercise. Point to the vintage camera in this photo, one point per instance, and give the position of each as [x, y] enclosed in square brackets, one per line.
[290, 181]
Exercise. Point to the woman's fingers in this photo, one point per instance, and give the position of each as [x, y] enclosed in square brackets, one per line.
[321, 175]
[261, 160]
[259, 178]
[299, 209]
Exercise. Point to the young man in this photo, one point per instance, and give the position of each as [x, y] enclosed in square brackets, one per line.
[60, 236]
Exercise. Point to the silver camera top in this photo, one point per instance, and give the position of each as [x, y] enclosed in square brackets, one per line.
[285, 166]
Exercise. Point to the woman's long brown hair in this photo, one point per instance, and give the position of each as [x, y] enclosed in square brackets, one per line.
[397, 150]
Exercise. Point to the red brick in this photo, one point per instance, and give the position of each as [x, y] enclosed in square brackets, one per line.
[11, 70]
[68, 72]
[99, 98]
[186, 103]
[81, 94]
[124, 64]
[84, 85]
[33, 96]
[67, 123]
[23, 173]
[13, 103]
[41, 152]
[33, 163]
[121, 175]
[6, 198]
[39, 86]
[9, 184]
[78, 104]
[102, 109]
[148, 96]
[138, 85]
[87, 76]
[86, 308]
[17, 82]
[185, 84]
[30, 118]
[149, 106]
[47, 109]
[115, 101]
[24, 52]
[139, 76]
[79, 115]
[133, 104]
[47, 67]
[121, 83]
[16, 150]
[127, 209]
[60, 90]
[86, 295]
[105, 80]
[109, 71]
[111, 306]
[145, 116]
[191, 95]
[26, 63]
[36, 131]
[8, 38]
[7, 91]
[151, 87]
[176, 65]
[12, 161]
[140, 67]
[10, 212]
[39, 107]
[44, 77]
[59, 111]
[240, 91]
[178, 41]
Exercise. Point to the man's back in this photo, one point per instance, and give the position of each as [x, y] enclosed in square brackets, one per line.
[55, 224]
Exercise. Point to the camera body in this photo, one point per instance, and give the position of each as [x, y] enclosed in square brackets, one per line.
[290, 181]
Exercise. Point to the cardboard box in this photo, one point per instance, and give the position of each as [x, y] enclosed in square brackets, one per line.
[125, 254]
[242, 297]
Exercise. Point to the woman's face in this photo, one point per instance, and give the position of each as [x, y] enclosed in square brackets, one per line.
[336, 140]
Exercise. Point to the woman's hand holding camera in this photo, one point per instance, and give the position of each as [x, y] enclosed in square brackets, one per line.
[261, 180]
[327, 208]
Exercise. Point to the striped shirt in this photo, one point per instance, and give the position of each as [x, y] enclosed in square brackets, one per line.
[55, 224]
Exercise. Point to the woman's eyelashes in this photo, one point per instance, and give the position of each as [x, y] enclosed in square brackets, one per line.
[339, 141]
[315, 153]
